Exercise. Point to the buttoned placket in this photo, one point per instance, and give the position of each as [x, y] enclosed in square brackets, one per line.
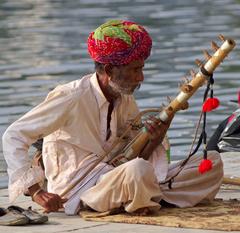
[113, 124]
[103, 121]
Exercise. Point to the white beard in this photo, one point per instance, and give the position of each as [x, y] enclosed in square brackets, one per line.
[122, 90]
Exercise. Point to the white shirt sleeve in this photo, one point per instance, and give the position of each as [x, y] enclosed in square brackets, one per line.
[42, 120]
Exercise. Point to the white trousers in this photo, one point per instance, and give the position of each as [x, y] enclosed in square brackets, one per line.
[134, 185]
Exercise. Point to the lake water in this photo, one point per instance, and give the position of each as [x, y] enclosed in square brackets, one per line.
[43, 44]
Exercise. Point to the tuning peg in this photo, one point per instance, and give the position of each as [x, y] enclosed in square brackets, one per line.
[163, 105]
[192, 73]
[180, 84]
[169, 99]
[221, 37]
[206, 55]
[186, 80]
[161, 108]
[214, 46]
[198, 62]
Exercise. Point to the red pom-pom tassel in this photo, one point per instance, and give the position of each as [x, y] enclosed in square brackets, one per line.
[205, 166]
[210, 104]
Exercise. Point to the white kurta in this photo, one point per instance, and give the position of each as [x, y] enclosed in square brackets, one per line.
[134, 185]
[73, 121]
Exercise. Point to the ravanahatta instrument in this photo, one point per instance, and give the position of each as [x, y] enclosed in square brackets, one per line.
[187, 89]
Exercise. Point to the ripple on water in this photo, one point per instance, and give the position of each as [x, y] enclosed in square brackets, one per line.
[48, 47]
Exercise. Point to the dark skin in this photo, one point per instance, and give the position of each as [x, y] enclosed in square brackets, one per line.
[112, 79]
[49, 201]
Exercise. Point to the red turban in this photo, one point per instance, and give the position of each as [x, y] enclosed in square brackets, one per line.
[119, 42]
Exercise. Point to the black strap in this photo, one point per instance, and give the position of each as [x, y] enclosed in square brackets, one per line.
[110, 109]
[198, 145]
[202, 137]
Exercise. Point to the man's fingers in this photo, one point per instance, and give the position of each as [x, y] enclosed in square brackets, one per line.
[155, 120]
[49, 201]
[63, 200]
[53, 202]
[46, 211]
[149, 127]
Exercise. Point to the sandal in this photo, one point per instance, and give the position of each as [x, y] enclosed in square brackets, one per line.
[33, 216]
[12, 218]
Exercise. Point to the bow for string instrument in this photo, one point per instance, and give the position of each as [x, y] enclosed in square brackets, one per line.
[132, 150]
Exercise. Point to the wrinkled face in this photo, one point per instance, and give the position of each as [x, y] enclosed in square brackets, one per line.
[126, 78]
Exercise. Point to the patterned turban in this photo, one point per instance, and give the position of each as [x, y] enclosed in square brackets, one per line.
[119, 42]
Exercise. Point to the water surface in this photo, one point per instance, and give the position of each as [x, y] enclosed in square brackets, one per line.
[43, 44]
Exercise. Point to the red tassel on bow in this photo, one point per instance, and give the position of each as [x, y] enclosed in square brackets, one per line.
[210, 104]
[205, 166]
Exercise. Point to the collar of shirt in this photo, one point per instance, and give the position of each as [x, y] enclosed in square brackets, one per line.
[100, 97]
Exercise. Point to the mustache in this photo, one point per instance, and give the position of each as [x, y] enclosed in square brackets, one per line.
[138, 86]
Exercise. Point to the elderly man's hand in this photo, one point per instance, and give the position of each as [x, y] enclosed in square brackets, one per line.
[157, 129]
[49, 201]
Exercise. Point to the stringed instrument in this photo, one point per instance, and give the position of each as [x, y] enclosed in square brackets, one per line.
[132, 150]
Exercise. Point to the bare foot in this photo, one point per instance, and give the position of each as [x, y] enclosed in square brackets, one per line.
[142, 211]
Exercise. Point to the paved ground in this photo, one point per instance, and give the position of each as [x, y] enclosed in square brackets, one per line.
[59, 222]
